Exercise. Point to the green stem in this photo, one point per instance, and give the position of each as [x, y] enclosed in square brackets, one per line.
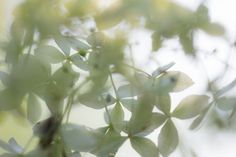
[136, 69]
[113, 85]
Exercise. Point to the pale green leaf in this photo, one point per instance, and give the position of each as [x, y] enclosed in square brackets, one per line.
[163, 103]
[144, 146]
[63, 44]
[79, 62]
[95, 101]
[168, 139]
[129, 104]
[117, 117]
[33, 108]
[141, 116]
[65, 76]
[162, 69]
[29, 73]
[226, 88]
[196, 122]
[156, 121]
[179, 80]
[127, 91]
[214, 29]
[49, 54]
[53, 94]
[199, 120]
[66, 43]
[226, 103]
[78, 44]
[79, 138]
[109, 144]
[191, 106]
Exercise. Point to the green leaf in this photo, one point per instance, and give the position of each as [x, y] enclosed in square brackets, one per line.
[79, 138]
[186, 40]
[117, 117]
[29, 73]
[66, 43]
[96, 101]
[191, 106]
[63, 44]
[197, 121]
[163, 103]
[53, 95]
[97, 39]
[181, 81]
[162, 69]
[33, 108]
[172, 81]
[65, 76]
[168, 139]
[78, 44]
[214, 29]
[141, 116]
[144, 146]
[156, 121]
[109, 144]
[141, 78]
[107, 115]
[127, 91]
[49, 54]
[226, 88]
[226, 103]
[79, 62]
[129, 104]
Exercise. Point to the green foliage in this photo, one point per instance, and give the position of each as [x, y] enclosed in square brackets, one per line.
[144, 147]
[191, 106]
[168, 138]
[47, 61]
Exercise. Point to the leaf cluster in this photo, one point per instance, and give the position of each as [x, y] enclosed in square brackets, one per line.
[49, 66]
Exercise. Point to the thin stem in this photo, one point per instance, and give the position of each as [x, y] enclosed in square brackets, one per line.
[69, 110]
[69, 106]
[136, 69]
[70, 100]
[113, 85]
[131, 55]
[107, 111]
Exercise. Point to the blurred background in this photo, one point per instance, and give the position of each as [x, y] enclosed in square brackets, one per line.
[216, 57]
